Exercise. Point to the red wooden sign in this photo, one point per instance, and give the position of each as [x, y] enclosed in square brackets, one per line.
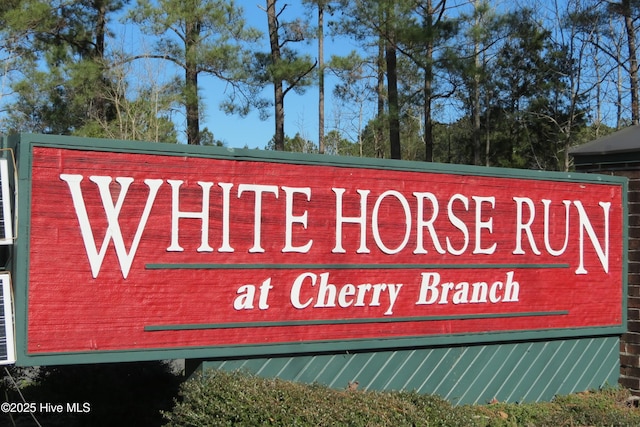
[139, 251]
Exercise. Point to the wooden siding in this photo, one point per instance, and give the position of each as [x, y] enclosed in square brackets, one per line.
[509, 372]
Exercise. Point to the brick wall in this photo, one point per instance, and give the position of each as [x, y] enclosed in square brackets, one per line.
[630, 341]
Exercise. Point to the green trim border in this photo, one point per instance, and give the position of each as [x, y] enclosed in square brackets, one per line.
[357, 321]
[301, 348]
[23, 144]
[243, 154]
[197, 266]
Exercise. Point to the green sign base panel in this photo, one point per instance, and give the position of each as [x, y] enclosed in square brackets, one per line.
[508, 372]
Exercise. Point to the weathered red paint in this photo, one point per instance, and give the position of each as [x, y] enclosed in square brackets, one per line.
[160, 306]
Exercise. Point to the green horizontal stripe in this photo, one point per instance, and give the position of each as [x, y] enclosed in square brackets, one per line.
[200, 266]
[241, 325]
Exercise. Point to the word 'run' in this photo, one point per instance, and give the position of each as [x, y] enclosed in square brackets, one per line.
[410, 212]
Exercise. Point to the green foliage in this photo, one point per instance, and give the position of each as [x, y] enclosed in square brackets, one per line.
[512, 86]
[297, 144]
[608, 407]
[150, 394]
[234, 398]
[336, 143]
[62, 45]
[200, 37]
[222, 398]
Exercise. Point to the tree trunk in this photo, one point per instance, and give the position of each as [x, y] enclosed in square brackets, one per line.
[428, 121]
[392, 84]
[596, 67]
[476, 96]
[278, 91]
[633, 61]
[379, 137]
[99, 106]
[487, 140]
[428, 85]
[392, 87]
[101, 24]
[320, 78]
[192, 32]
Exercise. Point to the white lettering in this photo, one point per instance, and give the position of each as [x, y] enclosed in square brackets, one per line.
[328, 294]
[290, 219]
[487, 225]
[421, 223]
[432, 291]
[296, 287]
[547, 245]
[257, 211]
[585, 224]
[459, 224]
[112, 212]
[526, 227]
[226, 202]
[428, 289]
[176, 214]
[407, 222]
[362, 220]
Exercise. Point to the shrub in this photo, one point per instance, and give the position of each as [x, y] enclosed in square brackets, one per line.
[234, 398]
[222, 398]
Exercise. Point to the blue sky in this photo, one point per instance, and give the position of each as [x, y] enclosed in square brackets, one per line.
[301, 111]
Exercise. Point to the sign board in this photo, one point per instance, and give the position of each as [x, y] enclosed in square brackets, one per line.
[7, 341]
[6, 221]
[134, 253]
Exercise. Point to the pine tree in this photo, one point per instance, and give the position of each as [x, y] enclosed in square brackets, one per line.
[63, 62]
[283, 67]
[198, 36]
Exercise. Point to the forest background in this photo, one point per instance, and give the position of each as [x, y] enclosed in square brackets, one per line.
[512, 84]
